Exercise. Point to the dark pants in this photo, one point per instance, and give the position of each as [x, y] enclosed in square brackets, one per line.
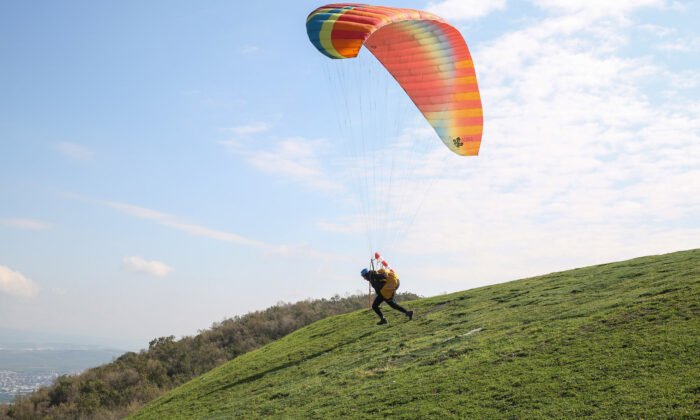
[378, 301]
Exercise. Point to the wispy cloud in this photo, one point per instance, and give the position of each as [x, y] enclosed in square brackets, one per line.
[170, 221]
[582, 161]
[599, 7]
[680, 45]
[249, 49]
[658, 30]
[305, 252]
[14, 283]
[353, 226]
[681, 81]
[248, 129]
[74, 151]
[28, 224]
[294, 159]
[465, 9]
[138, 264]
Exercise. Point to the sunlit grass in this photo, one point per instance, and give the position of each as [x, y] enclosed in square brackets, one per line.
[615, 340]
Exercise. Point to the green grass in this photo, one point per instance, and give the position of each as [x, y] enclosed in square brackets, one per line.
[614, 340]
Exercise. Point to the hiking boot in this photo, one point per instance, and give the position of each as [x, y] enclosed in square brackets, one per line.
[409, 314]
[382, 321]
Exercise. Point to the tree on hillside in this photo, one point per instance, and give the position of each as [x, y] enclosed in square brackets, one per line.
[118, 388]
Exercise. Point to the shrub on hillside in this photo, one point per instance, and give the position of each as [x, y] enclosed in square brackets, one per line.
[114, 390]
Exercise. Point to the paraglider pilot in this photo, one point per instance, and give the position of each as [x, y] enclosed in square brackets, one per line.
[385, 284]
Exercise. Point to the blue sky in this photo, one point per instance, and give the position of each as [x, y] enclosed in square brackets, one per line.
[164, 165]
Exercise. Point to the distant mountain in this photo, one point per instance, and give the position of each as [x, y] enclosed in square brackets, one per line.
[16, 338]
[61, 358]
[31, 359]
[26, 367]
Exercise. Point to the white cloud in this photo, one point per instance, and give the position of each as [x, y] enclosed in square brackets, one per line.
[682, 81]
[170, 221]
[306, 252]
[249, 49]
[137, 264]
[352, 226]
[599, 7]
[74, 151]
[294, 159]
[249, 129]
[680, 45]
[582, 161]
[297, 159]
[465, 9]
[28, 224]
[13, 283]
[660, 31]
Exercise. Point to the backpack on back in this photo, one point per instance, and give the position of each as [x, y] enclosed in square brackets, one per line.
[392, 283]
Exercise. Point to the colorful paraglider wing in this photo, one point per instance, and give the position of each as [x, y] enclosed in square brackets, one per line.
[427, 56]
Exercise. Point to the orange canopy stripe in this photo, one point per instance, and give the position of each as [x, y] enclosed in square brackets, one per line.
[427, 56]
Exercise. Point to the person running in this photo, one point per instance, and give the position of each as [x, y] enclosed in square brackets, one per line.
[385, 284]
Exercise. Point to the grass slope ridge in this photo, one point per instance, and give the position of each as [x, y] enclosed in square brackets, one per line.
[121, 387]
[614, 340]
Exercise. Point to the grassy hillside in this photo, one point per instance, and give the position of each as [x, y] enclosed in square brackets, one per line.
[116, 389]
[615, 340]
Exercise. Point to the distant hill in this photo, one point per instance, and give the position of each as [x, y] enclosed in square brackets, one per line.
[61, 359]
[618, 340]
[29, 360]
[122, 386]
[16, 338]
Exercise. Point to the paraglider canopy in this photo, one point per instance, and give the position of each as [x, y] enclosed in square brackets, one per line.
[427, 56]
